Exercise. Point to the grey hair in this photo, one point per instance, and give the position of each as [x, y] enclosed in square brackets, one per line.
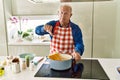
[65, 5]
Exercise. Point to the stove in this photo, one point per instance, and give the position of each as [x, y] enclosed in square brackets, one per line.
[85, 69]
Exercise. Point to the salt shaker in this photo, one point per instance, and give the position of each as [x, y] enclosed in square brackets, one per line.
[24, 65]
[31, 66]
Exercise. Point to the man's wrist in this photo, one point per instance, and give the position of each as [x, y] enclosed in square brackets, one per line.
[77, 52]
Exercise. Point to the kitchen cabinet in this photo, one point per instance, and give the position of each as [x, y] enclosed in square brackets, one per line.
[104, 29]
[3, 36]
[24, 7]
[117, 32]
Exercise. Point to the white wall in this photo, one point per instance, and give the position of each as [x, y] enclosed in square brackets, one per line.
[82, 15]
[3, 44]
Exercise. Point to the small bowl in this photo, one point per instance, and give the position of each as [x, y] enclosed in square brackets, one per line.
[23, 55]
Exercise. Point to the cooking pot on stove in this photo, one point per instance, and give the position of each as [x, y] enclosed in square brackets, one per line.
[64, 63]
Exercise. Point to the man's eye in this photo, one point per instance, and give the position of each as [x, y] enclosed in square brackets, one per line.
[61, 12]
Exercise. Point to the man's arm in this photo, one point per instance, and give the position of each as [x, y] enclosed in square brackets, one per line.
[78, 40]
[39, 30]
[78, 43]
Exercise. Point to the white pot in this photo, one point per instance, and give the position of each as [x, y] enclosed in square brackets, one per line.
[61, 65]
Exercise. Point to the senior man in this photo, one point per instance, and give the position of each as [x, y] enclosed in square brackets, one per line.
[66, 36]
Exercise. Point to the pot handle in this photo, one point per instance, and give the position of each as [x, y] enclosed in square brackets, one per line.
[73, 63]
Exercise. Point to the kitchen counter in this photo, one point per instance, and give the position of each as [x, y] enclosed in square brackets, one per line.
[34, 42]
[109, 66]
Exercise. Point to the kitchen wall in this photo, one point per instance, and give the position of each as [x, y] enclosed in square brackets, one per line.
[99, 24]
[3, 40]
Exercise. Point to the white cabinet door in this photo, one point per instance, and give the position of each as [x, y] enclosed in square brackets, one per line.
[117, 34]
[104, 29]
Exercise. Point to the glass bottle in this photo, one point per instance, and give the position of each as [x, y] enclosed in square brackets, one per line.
[27, 60]
[2, 71]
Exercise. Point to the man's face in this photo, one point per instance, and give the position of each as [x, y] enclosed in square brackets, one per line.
[64, 15]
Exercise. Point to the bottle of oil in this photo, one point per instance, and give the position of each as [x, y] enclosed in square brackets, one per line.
[27, 60]
[2, 71]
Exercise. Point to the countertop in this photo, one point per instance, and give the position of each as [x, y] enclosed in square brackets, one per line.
[109, 65]
[41, 40]
[33, 42]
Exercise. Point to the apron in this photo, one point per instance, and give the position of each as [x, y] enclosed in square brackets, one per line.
[62, 41]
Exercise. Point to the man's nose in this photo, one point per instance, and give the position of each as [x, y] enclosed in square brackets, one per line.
[63, 14]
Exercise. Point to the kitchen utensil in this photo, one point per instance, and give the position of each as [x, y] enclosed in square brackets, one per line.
[63, 64]
[36, 60]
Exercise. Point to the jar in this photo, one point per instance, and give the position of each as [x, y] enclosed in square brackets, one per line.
[15, 67]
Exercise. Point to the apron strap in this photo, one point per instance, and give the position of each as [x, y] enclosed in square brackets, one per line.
[56, 25]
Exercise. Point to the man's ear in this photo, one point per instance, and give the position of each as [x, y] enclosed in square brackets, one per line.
[71, 15]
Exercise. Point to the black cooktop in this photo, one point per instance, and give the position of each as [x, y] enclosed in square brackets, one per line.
[85, 69]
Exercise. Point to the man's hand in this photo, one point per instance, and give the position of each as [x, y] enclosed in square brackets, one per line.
[48, 28]
[76, 55]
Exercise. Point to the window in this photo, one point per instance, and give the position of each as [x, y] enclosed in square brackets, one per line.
[18, 25]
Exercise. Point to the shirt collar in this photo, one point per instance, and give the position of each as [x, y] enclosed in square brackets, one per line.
[67, 26]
